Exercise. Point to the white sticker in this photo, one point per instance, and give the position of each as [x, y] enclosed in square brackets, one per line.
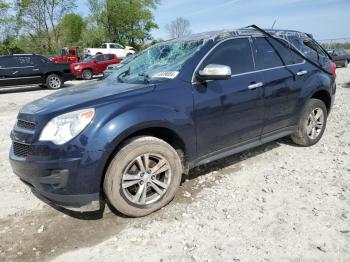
[166, 74]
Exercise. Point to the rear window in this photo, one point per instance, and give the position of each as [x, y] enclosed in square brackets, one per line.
[7, 62]
[271, 53]
[235, 53]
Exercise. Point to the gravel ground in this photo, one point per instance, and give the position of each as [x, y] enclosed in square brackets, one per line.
[277, 202]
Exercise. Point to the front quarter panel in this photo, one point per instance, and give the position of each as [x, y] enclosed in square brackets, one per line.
[169, 106]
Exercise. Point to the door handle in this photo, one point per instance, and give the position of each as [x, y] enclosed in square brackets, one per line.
[255, 85]
[301, 73]
[36, 69]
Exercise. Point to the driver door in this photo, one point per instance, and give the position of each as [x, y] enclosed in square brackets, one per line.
[229, 112]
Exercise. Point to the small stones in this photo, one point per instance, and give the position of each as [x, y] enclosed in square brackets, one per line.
[41, 229]
[187, 194]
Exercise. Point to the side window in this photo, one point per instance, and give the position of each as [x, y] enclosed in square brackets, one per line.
[24, 61]
[109, 57]
[104, 46]
[266, 54]
[235, 53]
[100, 58]
[8, 62]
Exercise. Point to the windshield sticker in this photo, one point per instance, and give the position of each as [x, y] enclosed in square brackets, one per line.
[167, 74]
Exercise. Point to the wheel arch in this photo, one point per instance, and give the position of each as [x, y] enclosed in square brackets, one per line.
[162, 132]
[324, 96]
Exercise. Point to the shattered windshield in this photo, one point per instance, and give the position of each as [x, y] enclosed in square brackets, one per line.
[157, 63]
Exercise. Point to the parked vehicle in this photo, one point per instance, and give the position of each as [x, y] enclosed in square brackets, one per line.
[340, 57]
[27, 69]
[67, 55]
[177, 105]
[93, 65]
[111, 48]
[111, 68]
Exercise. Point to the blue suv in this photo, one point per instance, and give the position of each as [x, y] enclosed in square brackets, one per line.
[129, 138]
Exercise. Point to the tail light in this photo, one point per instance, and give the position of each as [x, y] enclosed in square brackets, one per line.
[333, 70]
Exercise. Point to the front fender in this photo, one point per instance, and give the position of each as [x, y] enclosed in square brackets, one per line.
[109, 133]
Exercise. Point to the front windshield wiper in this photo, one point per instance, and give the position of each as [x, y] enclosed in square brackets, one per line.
[146, 78]
[123, 74]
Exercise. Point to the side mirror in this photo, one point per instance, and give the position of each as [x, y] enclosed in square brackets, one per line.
[214, 72]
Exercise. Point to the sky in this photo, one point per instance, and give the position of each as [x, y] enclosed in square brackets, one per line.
[325, 19]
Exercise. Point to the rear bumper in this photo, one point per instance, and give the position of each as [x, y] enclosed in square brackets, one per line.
[68, 76]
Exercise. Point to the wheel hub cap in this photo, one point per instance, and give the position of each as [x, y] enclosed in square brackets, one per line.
[146, 179]
[315, 123]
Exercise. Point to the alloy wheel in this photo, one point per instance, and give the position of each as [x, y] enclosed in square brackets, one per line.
[315, 123]
[146, 179]
[55, 82]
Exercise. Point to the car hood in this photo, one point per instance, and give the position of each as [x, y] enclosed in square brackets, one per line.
[89, 94]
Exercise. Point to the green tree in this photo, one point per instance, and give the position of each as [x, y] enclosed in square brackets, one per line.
[126, 22]
[72, 26]
[40, 20]
[10, 46]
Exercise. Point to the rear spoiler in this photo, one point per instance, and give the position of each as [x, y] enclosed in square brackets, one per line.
[294, 50]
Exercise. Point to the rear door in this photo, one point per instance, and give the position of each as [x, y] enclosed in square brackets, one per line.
[18, 70]
[283, 74]
[229, 112]
[28, 70]
[101, 64]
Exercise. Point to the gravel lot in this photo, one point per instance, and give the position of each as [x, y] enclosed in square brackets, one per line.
[277, 202]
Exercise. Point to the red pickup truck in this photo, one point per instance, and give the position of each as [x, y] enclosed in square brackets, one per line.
[93, 65]
[67, 55]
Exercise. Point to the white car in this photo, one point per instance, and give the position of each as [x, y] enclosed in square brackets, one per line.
[111, 48]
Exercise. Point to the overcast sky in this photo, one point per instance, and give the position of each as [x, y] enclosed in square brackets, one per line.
[323, 18]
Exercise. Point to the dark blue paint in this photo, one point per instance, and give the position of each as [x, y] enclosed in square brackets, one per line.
[209, 118]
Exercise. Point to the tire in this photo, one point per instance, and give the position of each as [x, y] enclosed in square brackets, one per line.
[346, 63]
[125, 170]
[87, 74]
[312, 123]
[54, 81]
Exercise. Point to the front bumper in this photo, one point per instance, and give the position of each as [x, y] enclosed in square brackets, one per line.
[72, 183]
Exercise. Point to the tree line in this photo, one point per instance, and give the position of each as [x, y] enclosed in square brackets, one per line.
[44, 26]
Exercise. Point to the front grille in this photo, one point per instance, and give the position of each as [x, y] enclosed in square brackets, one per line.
[25, 124]
[21, 150]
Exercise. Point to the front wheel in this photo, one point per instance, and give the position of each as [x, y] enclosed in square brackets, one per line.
[54, 81]
[346, 63]
[312, 123]
[143, 176]
[87, 74]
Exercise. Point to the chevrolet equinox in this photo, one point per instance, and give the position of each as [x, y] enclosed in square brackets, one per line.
[128, 139]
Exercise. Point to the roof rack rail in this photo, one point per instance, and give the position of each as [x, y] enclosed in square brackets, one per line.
[290, 47]
[21, 54]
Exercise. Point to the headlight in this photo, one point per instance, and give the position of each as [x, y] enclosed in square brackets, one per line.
[65, 127]
[76, 67]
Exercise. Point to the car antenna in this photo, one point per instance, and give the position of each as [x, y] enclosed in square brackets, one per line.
[274, 23]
